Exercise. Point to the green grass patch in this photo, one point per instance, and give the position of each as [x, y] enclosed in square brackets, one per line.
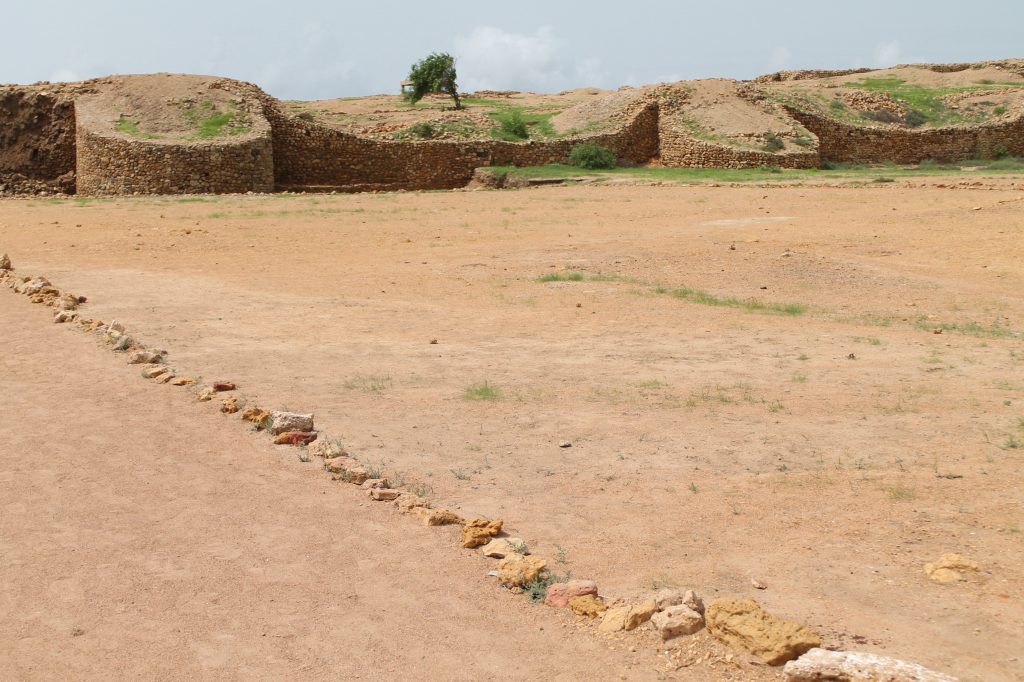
[993, 331]
[862, 173]
[130, 126]
[576, 276]
[516, 124]
[484, 391]
[211, 122]
[927, 102]
[753, 305]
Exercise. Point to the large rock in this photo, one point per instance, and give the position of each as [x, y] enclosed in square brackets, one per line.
[437, 517]
[950, 568]
[670, 597]
[34, 286]
[745, 626]
[518, 570]
[628, 617]
[588, 605]
[677, 620]
[503, 547]
[559, 594]
[253, 414]
[479, 532]
[145, 357]
[290, 421]
[820, 665]
[5, 262]
[328, 449]
[295, 438]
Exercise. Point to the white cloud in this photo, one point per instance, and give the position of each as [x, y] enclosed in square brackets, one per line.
[888, 54]
[490, 58]
[65, 76]
[310, 68]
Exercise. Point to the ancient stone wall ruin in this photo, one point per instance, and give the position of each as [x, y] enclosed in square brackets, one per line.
[114, 165]
[842, 143]
[51, 141]
[681, 149]
[311, 156]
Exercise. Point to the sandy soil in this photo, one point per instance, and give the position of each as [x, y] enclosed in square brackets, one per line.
[831, 454]
[142, 538]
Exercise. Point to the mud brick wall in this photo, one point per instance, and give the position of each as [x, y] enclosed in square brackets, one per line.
[37, 141]
[854, 144]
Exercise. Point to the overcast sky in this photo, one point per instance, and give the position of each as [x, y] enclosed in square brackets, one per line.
[311, 49]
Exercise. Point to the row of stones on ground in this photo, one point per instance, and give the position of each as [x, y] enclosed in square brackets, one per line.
[742, 624]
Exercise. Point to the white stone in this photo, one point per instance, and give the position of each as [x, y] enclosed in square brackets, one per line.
[677, 620]
[290, 421]
[821, 665]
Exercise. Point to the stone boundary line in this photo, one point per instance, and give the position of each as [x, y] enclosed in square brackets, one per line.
[741, 624]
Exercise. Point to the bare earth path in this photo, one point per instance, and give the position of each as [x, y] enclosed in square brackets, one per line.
[831, 454]
[142, 537]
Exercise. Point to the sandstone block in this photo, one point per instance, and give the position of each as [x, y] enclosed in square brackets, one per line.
[371, 483]
[503, 547]
[437, 517]
[295, 438]
[820, 665]
[253, 414]
[154, 372]
[517, 570]
[639, 614]
[559, 594]
[229, 406]
[588, 605]
[479, 532]
[406, 503]
[328, 449]
[383, 495]
[745, 626]
[221, 386]
[182, 381]
[950, 568]
[614, 619]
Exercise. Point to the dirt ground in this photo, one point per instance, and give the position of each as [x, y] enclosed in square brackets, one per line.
[830, 453]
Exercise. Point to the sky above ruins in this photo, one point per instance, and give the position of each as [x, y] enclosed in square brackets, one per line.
[310, 49]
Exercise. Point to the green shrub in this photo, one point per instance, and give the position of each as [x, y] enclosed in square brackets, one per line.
[999, 111]
[422, 130]
[915, 118]
[590, 155]
[1000, 152]
[772, 142]
[883, 116]
[513, 126]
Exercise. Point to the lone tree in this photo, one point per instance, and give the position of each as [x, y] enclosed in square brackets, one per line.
[435, 73]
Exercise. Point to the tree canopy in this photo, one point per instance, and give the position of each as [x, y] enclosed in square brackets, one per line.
[434, 73]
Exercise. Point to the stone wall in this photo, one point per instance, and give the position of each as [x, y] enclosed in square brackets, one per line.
[679, 148]
[844, 143]
[111, 163]
[315, 157]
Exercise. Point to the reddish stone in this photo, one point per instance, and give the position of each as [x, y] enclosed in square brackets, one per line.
[295, 438]
[223, 386]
